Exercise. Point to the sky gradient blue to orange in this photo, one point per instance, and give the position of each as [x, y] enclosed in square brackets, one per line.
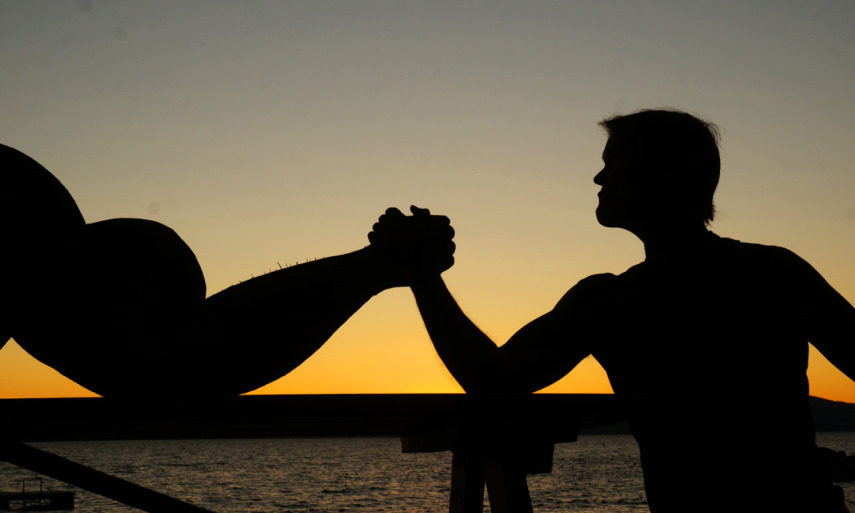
[268, 133]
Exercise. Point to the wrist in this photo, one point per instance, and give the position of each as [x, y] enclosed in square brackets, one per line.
[426, 282]
[388, 270]
[381, 269]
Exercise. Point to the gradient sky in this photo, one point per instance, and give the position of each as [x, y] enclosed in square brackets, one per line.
[276, 132]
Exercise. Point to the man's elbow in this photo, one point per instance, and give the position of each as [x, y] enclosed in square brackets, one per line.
[495, 383]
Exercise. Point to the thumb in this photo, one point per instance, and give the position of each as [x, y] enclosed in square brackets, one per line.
[419, 211]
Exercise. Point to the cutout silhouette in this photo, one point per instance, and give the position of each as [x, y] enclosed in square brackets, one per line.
[119, 306]
[712, 332]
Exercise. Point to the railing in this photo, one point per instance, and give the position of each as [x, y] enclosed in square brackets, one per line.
[495, 439]
[39, 500]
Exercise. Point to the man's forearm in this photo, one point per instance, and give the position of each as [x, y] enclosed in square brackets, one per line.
[466, 351]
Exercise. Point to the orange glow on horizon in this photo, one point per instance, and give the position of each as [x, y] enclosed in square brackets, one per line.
[21, 376]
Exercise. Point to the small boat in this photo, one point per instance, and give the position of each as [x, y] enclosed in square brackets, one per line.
[36, 500]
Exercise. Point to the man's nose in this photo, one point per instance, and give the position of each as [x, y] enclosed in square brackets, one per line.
[600, 178]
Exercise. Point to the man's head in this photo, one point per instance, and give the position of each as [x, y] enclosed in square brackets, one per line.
[667, 159]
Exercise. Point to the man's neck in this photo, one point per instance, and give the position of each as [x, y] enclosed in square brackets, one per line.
[672, 246]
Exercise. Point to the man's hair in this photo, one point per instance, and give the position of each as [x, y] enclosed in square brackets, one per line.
[676, 150]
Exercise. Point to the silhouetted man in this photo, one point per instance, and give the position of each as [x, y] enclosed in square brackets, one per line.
[714, 329]
[119, 305]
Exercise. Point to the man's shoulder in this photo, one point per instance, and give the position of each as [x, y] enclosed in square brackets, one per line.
[588, 290]
[752, 252]
[598, 284]
[598, 280]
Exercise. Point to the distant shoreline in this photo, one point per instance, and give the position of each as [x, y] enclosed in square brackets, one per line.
[831, 415]
[828, 416]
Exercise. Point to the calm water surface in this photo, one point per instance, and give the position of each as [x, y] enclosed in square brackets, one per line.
[595, 474]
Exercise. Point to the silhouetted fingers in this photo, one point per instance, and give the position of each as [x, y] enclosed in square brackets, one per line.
[445, 227]
[391, 216]
[420, 241]
[444, 261]
[448, 250]
[435, 226]
[440, 224]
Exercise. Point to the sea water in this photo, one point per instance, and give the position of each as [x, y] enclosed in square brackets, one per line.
[595, 474]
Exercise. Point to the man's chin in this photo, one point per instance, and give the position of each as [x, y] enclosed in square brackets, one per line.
[604, 220]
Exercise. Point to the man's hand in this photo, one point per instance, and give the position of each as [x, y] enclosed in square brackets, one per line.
[413, 247]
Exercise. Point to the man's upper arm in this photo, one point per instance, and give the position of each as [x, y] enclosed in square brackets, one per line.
[549, 347]
[826, 316]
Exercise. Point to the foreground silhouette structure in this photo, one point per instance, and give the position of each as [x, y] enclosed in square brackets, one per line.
[119, 306]
[713, 331]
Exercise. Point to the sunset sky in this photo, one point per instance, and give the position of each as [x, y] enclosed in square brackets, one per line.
[268, 133]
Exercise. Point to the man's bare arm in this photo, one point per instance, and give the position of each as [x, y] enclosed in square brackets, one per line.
[828, 318]
[536, 356]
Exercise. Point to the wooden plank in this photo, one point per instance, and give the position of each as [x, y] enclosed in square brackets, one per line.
[507, 488]
[467, 483]
[296, 415]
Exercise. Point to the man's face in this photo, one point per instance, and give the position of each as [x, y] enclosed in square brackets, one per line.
[621, 196]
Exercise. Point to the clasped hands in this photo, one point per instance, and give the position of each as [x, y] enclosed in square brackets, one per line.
[413, 247]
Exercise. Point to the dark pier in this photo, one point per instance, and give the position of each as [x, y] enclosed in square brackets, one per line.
[496, 440]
